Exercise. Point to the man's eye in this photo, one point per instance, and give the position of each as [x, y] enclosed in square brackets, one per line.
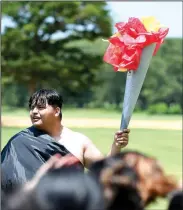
[38, 107]
[41, 107]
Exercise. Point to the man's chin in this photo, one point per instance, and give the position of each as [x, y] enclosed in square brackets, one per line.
[37, 124]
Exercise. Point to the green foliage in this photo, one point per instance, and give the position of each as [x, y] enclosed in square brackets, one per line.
[164, 77]
[110, 87]
[160, 108]
[163, 108]
[14, 95]
[163, 81]
[175, 109]
[32, 57]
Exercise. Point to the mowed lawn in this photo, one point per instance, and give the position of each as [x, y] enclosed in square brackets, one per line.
[166, 145]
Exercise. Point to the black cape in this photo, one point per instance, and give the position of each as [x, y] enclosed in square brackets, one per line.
[24, 154]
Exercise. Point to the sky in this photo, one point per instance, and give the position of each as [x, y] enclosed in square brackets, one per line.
[168, 13]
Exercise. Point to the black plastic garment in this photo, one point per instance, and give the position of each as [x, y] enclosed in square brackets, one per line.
[24, 154]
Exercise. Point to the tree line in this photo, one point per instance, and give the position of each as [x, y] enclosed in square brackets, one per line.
[59, 45]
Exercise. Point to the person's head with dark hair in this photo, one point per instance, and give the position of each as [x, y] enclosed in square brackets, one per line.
[176, 202]
[65, 188]
[152, 182]
[119, 186]
[69, 188]
[45, 109]
[18, 200]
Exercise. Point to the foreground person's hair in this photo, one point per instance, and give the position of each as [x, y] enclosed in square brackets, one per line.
[120, 189]
[66, 188]
[176, 202]
[152, 181]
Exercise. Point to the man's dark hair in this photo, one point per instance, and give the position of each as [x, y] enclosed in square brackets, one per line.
[40, 97]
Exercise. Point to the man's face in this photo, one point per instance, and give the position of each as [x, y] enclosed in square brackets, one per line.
[43, 116]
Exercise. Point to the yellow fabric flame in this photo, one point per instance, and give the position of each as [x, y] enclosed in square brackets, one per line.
[151, 23]
[122, 69]
[116, 34]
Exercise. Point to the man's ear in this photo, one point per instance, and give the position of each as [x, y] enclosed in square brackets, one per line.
[58, 110]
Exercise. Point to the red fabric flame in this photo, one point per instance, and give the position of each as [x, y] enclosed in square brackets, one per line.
[124, 51]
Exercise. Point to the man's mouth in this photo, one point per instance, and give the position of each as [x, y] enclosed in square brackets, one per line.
[36, 118]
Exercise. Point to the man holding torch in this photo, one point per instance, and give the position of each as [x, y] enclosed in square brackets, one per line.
[130, 49]
[29, 149]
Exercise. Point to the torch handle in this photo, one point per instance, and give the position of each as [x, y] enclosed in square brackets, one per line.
[134, 83]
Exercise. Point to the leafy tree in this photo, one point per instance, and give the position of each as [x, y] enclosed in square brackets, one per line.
[164, 78]
[59, 45]
[163, 82]
[33, 57]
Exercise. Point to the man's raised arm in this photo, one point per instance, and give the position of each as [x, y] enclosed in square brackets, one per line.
[92, 154]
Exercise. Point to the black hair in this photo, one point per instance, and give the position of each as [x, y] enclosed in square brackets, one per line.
[43, 96]
[66, 188]
[17, 199]
[176, 202]
[127, 197]
[126, 194]
[98, 166]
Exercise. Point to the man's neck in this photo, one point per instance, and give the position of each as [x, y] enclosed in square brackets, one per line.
[56, 130]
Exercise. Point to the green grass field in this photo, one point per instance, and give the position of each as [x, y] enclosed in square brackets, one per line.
[163, 144]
